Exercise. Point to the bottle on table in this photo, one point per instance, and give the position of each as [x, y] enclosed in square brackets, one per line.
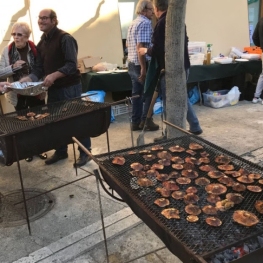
[208, 54]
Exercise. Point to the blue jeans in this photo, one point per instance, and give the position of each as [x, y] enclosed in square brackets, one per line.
[259, 87]
[60, 94]
[190, 116]
[139, 111]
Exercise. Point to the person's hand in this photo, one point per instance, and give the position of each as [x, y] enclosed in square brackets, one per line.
[49, 80]
[4, 86]
[142, 76]
[18, 63]
[142, 51]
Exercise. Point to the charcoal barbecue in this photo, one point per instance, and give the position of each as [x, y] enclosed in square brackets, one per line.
[192, 242]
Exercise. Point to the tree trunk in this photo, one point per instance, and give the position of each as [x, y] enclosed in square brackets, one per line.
[176, 91]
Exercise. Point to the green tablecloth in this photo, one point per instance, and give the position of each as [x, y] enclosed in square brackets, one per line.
[122, 82]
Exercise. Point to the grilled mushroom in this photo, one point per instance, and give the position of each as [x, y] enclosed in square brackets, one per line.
[174, 174]
[176, 148]
[152, 172]
[22, 118]
[226, 167]
[260, 181]
[139, 174]
[213, 221]
[131, 152]
[202, 181]
[190, 174]
[209, 210]
[136, 166]
[204, 160]
[144, 182]
[164, 155]
[157, 166]
[245, 179]
[224, 205]
[170, 185]
[165, 162]
[162, 177]
[192, 209]
[243, 171]
[118, 160]
[163, 191]
[146, 167]
[254, 188]
[195, 146]
[191, 152]
[171, 213]
[149, 157]
[235, 198]
[213, 198]
[192, 218]
[259, 206]
[177, 159]
[145, 151]
[216, 189]
[191, 198]
[157, 148]
[177, 166]
[192, 160]
[245, 218]
[162, 202]
[221, 159]
[177, 195]
[204, 154]
[189, 166]
[31, 114]
[215, 174]
[239, 187]
[191, 189]
[254, 176]
[207, 168]
[233, 173]
[226, 180]
[183, 180]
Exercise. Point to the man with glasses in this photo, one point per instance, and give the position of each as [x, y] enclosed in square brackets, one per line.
[57, 63]
[139, 35]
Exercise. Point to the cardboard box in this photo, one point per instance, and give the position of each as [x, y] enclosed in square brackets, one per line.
[85, 64]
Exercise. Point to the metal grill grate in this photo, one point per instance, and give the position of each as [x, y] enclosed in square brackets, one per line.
[199, 238]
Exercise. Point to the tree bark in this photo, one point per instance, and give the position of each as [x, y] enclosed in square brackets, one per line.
[176, 90]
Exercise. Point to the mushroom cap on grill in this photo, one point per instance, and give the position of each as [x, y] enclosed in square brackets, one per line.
[221, 159]
[216, 189]
[191, 152]
[145, 182]
[207, 168]
[163, 191]
[157, 148]
[245, 179]
[176, 148]
[254, 176]
[204, 160]
[146, 167]
[162, 177]
[190, 174]
[157, 166]
[224, 205]
[191, 189]
[188, 166]
[177, 166]
[192, 160]
[195, 146]
[192, 218]
[209, 210]
[177, 195]
[174, 174]
[243, 171]
[233, 173]
[226, 167]
[254, 188]
[259, 206]
[213, 221]
[192, 209]
[238, 187]
[213, 198]
[164, 155]
[145, 151]
[226, 180]
[204, 154]
[119, 160]
[191, 198]
[183, 180]
[131, 152]
[215, 174]
[177, 159]
[139, 174]
[152, 172]
[170, 185]
[171, 213]
[165, 162]
[162, 202]
[260, 181]
[235, 198]
[202, 181]
[149, 157]
[245, 218]
[136, 166]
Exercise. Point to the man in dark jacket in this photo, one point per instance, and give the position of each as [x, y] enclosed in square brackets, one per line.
[258, 41]
[57, 61]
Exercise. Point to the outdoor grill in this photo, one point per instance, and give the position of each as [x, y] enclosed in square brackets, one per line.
[191, 242]
[75, 117]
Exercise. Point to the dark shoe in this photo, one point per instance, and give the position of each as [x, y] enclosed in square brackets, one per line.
[42, 156]
[196, 132]
[161, 138]
[29, 159]
[150, 125]
[56, 157]
[82, 160]
[136, 127]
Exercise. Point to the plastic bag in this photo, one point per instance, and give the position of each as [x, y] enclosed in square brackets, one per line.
[158, 106]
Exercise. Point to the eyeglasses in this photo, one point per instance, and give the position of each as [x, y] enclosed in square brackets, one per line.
[44, 18]
[17, 34]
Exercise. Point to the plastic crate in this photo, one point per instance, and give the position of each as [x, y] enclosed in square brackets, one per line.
[120, 109]
[197, 47]
[253, 50]
[197, 58]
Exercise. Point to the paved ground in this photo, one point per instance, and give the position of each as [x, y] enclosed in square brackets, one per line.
[71, 231]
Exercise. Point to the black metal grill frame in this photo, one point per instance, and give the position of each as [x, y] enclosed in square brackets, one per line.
[199, 241]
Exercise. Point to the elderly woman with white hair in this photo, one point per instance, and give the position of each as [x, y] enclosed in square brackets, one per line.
[20, 54]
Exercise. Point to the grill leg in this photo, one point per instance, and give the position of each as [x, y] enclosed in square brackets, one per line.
[22, 184]
[75, 159]
[96, 172]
